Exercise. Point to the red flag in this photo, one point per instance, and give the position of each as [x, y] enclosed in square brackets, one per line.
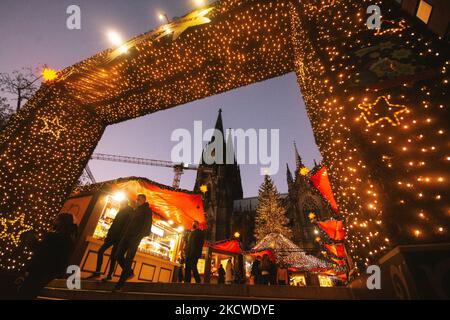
[322, 183]
[337, 249]
[333, 228]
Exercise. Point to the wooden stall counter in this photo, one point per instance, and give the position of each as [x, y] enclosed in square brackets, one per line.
[146, 267]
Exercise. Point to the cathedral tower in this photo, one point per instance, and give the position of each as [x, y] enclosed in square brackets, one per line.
[223, 186]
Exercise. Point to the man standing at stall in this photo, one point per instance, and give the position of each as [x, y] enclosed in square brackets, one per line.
[113, 238]
[139, 227]
[194, 248]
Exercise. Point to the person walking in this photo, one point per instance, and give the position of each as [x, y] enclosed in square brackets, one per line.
[112, 239]
[221, 273]
[194, 247]
[256, 272]
[229, 272]
[265, 268]
[50, 258]
[140, 226]
[282, 275]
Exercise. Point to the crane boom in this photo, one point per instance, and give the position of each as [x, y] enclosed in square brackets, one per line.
[142, 161]
[177, 167]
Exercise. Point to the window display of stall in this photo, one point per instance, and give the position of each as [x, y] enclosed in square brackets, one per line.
[161, 242]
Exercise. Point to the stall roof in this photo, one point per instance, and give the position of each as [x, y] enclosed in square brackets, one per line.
[178, 205]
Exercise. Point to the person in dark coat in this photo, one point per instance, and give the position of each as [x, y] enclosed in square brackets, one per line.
[256, 272]
[265, 268]
[112, 239]
[50, 258]
[140, 226]
[194, 248]
[221, 273]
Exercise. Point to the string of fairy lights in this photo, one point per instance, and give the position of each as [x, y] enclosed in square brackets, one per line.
[376, 100]
[379, 128]
[49, 142]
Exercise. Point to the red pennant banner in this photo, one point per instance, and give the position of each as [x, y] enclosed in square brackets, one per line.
[333, 228]
[322, 183]
[337, 249]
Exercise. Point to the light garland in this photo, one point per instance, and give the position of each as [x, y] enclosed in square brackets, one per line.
[372, 111]
[375, 170]
[18, 225]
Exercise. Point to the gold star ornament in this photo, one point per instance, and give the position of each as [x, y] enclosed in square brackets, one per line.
[311, 216]
[177, 27]
[304, 171]
[13, 229]
[53, 127]
[203, 188]
[381, 110]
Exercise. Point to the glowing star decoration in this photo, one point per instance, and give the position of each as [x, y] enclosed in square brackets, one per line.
[53, 127]
[311, 216]
[395, 27]
[203, 188]
[49, 74]
[195, 18]
[304, 171]
[380, 110]
[13, 229]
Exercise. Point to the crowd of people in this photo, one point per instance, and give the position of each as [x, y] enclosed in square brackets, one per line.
[131, 224]
[265, 271]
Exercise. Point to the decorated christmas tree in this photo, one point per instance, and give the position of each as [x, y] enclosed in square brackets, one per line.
[270, 213]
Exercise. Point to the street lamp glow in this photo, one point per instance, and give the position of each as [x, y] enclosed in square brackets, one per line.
[161, 17]
[199, 3]
[115, 38]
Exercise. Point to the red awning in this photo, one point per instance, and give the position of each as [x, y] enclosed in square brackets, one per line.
[333, 228]
[229, 246]
[322, 183]
[182, 207]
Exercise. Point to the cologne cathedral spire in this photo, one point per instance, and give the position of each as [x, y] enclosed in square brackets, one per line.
[298, 159]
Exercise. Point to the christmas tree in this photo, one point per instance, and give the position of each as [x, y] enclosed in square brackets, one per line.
[270, 213]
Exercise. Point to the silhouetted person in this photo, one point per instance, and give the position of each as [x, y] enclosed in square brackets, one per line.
[221, 273]
[112, 239]
[50, 258]
[229, 272]
[194, 248]
[265, 268]
[282, 275]
[272, 273]
[256, 272]
[140, 226]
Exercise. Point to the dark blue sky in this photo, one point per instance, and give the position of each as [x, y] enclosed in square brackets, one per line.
[34, 32]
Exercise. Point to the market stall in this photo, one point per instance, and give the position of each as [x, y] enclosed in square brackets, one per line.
[95, 206]
[218, 253]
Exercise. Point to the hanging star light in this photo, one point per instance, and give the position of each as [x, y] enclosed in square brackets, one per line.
[203, 188]
[380, 110]
[49, 74]
[176, 28]
[53, 127]
[304, 171]
[13, 229]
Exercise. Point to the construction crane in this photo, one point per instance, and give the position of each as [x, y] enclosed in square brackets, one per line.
[178, 168]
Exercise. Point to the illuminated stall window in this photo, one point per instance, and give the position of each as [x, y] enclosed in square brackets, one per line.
[298, 281]
[162, 241]
[424, 11]
[325, 281]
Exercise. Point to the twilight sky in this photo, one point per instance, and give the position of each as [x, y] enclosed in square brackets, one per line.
[34, 33]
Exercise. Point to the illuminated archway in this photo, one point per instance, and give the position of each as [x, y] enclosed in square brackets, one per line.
[376, 101]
